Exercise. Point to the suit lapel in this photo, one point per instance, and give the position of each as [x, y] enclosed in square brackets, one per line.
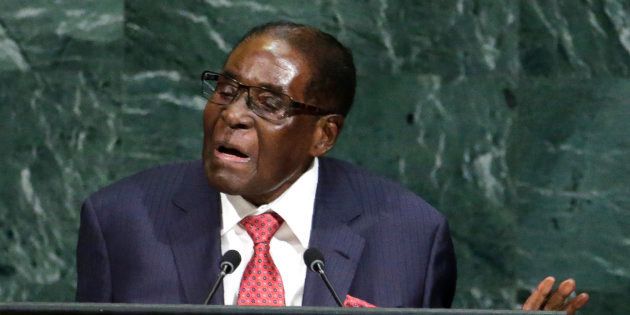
[335, 207]
[195, 236]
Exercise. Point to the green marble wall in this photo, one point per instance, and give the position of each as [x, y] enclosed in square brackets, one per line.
[511, 117]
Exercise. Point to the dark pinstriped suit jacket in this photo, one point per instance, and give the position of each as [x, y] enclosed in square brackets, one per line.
[154, 238]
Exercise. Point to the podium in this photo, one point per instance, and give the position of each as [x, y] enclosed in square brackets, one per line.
[142, 309]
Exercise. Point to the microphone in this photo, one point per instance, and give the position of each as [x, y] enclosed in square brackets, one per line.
[230, 260]
[314, 260]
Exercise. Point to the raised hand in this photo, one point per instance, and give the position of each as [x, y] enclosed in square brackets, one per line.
[543, 298]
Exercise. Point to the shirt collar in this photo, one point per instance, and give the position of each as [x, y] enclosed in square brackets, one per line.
[295, 206]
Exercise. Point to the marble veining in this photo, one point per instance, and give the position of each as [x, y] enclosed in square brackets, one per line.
[511, 117]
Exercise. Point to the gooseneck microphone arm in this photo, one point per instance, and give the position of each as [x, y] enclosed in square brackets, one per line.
[322, 274]
[230, 260]
[314, 260]
[216, 286]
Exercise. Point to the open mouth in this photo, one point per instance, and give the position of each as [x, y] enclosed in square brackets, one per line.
[231, 154]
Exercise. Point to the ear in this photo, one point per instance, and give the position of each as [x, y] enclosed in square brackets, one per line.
[327, 131]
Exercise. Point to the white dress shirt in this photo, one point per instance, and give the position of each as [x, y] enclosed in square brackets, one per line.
[287, 246]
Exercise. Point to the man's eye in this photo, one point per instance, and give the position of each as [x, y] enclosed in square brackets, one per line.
[226, 89]
[270, 102]
[225, 92]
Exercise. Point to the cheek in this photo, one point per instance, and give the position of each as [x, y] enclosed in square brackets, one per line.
[285, 149]
[210, 115]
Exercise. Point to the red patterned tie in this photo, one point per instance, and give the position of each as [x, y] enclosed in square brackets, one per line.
[261, 284]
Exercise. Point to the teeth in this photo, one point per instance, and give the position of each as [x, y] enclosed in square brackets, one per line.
[231, 151]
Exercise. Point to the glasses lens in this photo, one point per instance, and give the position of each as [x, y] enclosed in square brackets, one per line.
[223, 90]
[268, 104]
[219, 89]
[208, 84]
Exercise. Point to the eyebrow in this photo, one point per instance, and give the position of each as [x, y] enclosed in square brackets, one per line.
[268, 86]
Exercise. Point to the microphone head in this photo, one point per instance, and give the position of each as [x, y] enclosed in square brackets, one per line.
[231, 259]
[313, 258]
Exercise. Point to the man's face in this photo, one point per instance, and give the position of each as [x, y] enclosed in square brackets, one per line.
[244, 154]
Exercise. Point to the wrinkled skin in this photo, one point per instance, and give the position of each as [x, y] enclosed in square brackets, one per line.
[543, 298]
[244, 154]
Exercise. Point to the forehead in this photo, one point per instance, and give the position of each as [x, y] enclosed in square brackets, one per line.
[271, 62]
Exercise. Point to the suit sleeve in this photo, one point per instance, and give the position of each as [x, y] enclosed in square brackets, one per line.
[439, 286]
[93, 271]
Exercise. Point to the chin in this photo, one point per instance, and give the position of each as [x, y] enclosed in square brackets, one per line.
[224, 186]
[225, 183]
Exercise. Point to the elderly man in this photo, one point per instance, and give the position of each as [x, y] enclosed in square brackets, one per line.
[264, 189]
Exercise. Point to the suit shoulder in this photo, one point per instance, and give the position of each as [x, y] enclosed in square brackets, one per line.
[382, 194]
[158, 180]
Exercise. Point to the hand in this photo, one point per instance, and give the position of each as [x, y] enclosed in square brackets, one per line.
[540, 299]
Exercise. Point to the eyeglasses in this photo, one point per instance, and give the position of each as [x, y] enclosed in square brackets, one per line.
[271, 105]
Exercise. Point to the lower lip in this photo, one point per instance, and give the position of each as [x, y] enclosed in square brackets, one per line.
[230, 157]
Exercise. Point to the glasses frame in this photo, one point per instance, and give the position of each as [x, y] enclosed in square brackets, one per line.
[294, 108]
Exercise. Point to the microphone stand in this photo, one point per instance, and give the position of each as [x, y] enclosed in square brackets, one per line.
[320, 270]
[216, 284]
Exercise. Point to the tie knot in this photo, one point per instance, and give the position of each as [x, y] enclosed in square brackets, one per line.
[262, 227]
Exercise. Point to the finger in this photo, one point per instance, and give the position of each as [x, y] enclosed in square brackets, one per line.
[556, 301]
[538, 297]
[577, 303]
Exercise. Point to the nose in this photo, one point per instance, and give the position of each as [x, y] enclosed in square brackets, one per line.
[237, 115]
